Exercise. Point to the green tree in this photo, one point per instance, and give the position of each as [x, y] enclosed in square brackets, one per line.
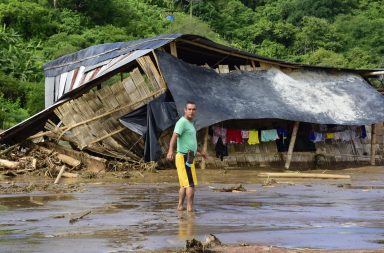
[10, 113]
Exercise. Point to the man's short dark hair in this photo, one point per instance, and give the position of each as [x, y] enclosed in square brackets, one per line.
[189, 102]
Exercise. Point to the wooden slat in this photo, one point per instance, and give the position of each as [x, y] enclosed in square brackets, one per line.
[68, 82]
[49, 91]
[63, 80]
[57, 87]
[79, 78]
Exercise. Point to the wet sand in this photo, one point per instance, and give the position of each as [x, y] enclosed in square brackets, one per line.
[138, 214]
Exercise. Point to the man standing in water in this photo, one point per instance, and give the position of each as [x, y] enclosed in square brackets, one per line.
[185, 136]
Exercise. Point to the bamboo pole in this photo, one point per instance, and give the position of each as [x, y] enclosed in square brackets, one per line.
[205, 145]
[60, 174]
[373, 144]
[106, 136]
[7, 150]
[303, 175]
[292, 144]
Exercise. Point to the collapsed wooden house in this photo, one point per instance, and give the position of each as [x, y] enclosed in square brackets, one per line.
[103, 99]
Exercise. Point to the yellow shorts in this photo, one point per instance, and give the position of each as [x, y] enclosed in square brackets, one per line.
[187, 175]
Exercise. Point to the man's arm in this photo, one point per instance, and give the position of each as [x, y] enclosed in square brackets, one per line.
[171, 149]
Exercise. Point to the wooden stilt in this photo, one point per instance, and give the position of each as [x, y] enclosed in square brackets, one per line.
[292, 144]
[205, 145]
[373, 144]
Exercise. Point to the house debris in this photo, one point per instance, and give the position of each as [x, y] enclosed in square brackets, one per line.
[120, 101]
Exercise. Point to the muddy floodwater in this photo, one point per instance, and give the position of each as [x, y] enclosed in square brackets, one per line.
[140, 214]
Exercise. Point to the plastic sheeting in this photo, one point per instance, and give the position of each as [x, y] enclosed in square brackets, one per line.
[150, 121]
[303, 95]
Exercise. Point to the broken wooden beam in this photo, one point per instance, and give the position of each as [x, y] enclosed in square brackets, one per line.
[9, 164]
[68, 160]
[63, 158]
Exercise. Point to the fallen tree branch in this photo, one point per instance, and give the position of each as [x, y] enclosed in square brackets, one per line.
[80, 216]
[5, 151]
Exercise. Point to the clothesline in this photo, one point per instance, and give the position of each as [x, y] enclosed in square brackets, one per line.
[254, 137]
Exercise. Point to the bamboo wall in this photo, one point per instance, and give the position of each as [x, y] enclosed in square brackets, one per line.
[91, 120]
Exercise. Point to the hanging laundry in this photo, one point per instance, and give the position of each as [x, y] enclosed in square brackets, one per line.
[219, 132]
[316, 137]
[363, 132]
[269, 135]
[346, 135]
[337, 136]
[234, 136]
[283, 134]
[329, 135]
[253, 137]
[245, 134]
[221, 149]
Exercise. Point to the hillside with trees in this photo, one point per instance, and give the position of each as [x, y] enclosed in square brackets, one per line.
[338, 33]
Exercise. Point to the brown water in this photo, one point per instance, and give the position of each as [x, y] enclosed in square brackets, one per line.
[139, 214]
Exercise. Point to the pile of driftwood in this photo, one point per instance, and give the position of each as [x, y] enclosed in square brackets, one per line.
[54, 161]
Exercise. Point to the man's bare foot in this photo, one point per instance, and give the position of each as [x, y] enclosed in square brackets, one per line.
[180, 208]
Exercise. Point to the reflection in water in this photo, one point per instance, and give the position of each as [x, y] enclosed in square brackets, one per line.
[186, 225]
[31, 201]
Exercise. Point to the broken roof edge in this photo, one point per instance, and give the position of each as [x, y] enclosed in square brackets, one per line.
[33, 124]
[102, 52]
[98, 53]
[196, 39]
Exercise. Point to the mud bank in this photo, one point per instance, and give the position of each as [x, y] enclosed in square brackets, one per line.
[138, 214]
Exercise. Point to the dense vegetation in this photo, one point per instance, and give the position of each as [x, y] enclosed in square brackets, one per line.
[340, 33]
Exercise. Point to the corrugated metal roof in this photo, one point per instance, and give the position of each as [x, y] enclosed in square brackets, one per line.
[99, 53]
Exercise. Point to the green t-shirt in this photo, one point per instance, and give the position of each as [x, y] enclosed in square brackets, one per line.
[187, 136]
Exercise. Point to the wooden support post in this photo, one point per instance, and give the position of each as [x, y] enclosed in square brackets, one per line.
[173, 49]
[373, 144]
[205, 145]
[253, 65]
[292, 144]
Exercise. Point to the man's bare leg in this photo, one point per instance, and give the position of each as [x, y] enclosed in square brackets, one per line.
[190, 196]
[181, 199]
